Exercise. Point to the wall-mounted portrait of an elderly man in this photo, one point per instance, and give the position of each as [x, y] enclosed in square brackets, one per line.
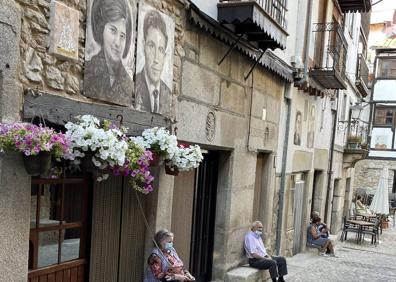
[109, 51]
[154, 61]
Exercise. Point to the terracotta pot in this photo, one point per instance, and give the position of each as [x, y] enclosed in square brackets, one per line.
[38, 164]
[384, 225]
[171, 170]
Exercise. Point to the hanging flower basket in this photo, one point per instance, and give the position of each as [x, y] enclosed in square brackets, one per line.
[37, 143]
[39, 164]
[171, 169]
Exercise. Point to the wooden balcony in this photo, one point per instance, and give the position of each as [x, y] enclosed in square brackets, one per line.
[261, 22]
[360, 6]
[362, 76]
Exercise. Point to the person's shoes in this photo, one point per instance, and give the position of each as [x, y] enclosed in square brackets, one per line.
[332, 255]
[323, 254]
[280, 279]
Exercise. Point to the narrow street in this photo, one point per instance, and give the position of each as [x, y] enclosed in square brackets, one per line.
[353, 262]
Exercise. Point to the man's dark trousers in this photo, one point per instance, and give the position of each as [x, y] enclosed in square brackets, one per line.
[276, 265]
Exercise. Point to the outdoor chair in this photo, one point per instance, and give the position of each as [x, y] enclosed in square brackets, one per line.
[348, 227]
[373, 231]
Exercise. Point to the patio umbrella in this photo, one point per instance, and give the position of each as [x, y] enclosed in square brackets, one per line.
[380, 202]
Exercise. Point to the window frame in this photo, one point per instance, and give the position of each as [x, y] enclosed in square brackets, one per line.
[80, 224]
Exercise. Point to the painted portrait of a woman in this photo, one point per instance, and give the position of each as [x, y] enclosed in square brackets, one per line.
[106, 77]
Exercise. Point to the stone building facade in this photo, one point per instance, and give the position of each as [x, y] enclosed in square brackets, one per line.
[258, 169]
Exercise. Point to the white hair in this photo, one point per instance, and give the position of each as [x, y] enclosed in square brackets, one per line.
[254, 224]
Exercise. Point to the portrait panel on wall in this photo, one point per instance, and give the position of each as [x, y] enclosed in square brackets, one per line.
[311, 127]
[297, 129]
[154, 61]
[109, 51]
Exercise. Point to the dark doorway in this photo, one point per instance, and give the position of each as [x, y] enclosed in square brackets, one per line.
[204, 212]
[316, 193]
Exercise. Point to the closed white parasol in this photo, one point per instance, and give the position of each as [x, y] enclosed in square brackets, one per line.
[380, 202]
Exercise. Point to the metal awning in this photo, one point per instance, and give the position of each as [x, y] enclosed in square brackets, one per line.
[360, 6]
[269, 60]
[252, 19]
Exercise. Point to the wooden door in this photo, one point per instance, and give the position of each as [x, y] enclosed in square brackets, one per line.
[298, 218]
[182, 214]
[118, 232]
[204, 212]
[58, 230]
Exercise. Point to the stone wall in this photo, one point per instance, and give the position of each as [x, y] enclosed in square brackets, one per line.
[368, 173]
[39, 69]
[212, 106]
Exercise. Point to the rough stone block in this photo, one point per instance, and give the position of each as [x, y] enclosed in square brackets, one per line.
[233, 97]
[200, 84]
[10, 92]
[246, 274]
[211, 51]
[15, 218]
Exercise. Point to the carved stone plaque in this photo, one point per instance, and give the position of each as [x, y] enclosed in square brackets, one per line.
[64, 31]
[210, 126]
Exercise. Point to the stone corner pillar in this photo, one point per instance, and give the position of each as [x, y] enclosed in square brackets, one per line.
[14, 182]
[14, 218]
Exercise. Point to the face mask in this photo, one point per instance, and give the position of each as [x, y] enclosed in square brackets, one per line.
[168, 246]
[259, 233]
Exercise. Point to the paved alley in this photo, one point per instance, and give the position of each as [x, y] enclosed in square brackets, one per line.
[353, 262]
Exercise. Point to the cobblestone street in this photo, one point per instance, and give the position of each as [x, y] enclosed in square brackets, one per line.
[353, 262]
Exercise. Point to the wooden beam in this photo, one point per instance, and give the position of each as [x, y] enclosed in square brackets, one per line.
[60, 110]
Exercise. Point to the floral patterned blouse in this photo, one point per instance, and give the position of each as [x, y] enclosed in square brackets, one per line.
[155, 265]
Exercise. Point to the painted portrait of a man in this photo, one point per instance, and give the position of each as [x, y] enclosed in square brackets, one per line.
[297, 129]
[154, 74]
[109, 54]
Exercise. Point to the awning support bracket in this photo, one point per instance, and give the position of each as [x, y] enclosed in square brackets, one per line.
[232, 46]
[254, 65]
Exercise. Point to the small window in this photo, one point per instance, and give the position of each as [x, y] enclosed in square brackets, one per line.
[57, 221]
[384, 116]
[386, 68]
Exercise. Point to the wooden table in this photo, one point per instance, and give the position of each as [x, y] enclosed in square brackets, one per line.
[367, 216]
[360, 224]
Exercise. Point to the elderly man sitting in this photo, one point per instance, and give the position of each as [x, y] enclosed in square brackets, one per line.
[257, 254]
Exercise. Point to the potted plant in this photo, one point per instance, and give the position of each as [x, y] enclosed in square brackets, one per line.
[354, 141]
[384, 221]
[105, 147]
[37, 143]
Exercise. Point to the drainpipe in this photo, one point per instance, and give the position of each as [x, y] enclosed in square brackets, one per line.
[308, 39]
[279, 222]
[330, 168]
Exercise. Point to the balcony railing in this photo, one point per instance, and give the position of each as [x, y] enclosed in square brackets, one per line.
[362, 76]
[356, 147]
[276, 9]
[329, 67]
[262, 21]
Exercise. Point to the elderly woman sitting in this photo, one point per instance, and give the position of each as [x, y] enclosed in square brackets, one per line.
[164, 264]
[314, 237]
